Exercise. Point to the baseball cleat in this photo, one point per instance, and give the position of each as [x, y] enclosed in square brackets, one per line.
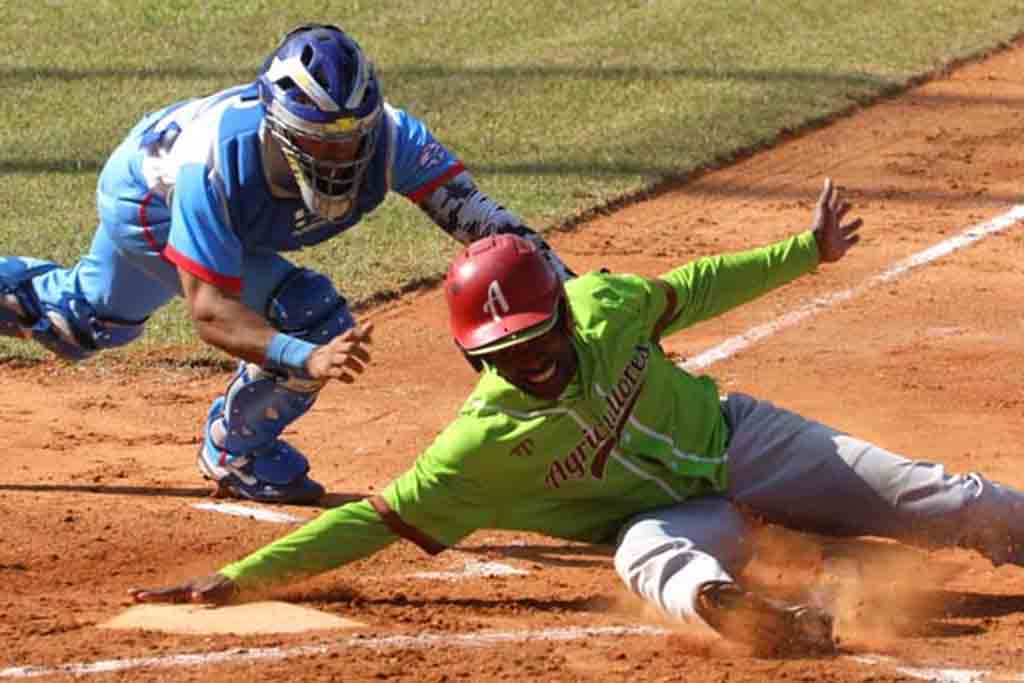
[770, 627]
[274, 473]
[242, 479]
[19, 307]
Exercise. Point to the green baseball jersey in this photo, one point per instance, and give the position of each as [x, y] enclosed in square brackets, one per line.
[630, 433]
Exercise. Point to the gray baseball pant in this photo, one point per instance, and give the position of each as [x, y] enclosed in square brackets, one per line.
[806, 476]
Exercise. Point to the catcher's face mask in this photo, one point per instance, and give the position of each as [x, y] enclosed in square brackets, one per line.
[323, 107]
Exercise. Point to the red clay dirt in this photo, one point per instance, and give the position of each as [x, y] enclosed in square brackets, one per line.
[98, 483]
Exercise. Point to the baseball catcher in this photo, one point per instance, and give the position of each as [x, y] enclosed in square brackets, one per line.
[580, 428]
[200, 201]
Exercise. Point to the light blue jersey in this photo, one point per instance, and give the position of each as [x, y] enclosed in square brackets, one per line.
[193, 184]
[201, 187]
[214, 192]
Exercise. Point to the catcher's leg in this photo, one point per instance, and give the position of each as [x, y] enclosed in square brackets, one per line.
[101, 302]
[683, 559]
[242, 450]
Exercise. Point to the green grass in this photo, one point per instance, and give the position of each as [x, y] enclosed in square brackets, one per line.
[557, 107]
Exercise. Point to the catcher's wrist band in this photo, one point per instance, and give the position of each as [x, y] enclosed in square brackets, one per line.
[288, 353]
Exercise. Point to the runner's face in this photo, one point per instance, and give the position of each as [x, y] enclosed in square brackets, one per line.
[542, 367]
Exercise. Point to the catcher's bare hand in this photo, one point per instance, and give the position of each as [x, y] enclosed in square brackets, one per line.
[215, 589]
[344, 358]
[833, 237]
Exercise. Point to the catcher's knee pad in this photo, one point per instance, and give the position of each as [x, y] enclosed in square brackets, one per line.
[69, 327]
[306, 305]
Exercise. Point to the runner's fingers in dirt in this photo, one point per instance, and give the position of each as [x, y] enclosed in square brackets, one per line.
[216, 589]
[174, 594]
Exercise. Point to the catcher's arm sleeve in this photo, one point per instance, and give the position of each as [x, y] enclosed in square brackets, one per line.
[466, 213]
[335, 538]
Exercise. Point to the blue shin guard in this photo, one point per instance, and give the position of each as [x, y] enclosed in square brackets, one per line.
[241, 450]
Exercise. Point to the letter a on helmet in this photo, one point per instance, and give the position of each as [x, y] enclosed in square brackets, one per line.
[501, 291]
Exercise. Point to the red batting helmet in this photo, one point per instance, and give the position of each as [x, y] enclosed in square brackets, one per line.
[501, 291]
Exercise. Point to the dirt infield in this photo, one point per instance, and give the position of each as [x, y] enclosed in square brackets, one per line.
[98, 483]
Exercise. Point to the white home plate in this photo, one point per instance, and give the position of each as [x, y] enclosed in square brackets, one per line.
[245, 619]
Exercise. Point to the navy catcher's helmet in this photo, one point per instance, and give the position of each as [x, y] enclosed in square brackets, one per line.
[323, 106]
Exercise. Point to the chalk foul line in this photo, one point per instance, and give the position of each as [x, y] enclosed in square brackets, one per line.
[937, 674]
[734, 345]
[428, 640]
[261, 514]
[422, 640]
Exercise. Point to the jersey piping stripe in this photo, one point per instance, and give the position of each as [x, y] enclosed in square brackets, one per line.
[147, 230]
[423, 192]
[580, 422]
[229, 284]
[533, 413]
[679, 453]
[621, 459]
[401, 528]
[676, 451]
